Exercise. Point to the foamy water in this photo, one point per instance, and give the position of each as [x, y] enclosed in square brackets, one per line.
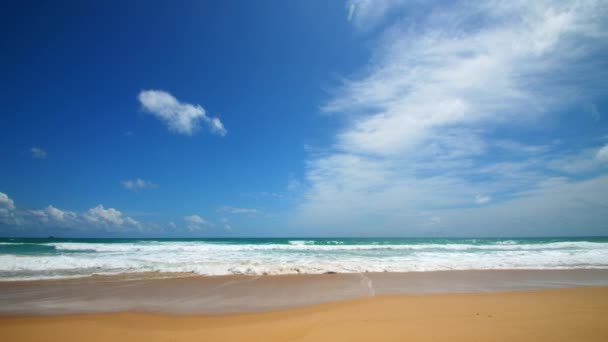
[22, 259]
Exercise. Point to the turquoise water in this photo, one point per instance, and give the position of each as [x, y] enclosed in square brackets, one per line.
[59, 258]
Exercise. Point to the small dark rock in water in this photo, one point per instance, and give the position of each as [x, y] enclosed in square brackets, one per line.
[331, 272]
[51, 237]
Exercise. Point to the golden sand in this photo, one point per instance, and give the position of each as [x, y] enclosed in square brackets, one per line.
[579, 314]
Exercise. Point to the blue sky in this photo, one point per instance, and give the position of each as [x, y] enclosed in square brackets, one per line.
[304, 118]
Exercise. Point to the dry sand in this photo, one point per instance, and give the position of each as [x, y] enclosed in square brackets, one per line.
[579, 314]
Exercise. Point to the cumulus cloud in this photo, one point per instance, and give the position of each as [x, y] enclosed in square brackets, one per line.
[419, 118]
[50, 213]
[7, 208]
[58, 214]
[38, 153]
[180, 117]
[6, 203]
[50, 217]
[196, 223]
[137, 184]
[109, 216]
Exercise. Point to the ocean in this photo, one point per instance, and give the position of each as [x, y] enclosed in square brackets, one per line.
[32, 259]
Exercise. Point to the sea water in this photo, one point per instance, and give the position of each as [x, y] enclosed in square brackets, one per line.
[29, 259]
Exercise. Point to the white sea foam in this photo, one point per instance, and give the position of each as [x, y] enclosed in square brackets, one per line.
[297, 256]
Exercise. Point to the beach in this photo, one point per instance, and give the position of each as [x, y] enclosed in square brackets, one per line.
[577, 314]
[287, 290]
[348, 170]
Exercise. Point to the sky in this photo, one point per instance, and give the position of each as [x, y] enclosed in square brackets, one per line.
[304, 118]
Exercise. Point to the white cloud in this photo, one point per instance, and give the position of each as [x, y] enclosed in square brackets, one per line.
[53, 217]
[6, 202]
[50, 213]
[518, 147]
[602, 154]
[196, 223]
[7, 209]
[180, 117]
[423, 82]
[40, 214]
[38, 153]
[131, 222]
[482, 199]
[110, 216]
[58, 214]
[421, 116]
[236, 210]
[137, 184]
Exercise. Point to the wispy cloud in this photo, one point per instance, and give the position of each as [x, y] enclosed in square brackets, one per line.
[226, 224]
[419, 118]
[602, 154]
[482, 199]
[180, 117]
[237, 210]
[518, 147]
[576, 162]
[137, 184]
[367, 14]
[38, 153]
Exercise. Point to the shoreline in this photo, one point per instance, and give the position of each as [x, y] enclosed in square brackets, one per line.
[194, 294]
[158, 275]
[73, 258]
[572, 314]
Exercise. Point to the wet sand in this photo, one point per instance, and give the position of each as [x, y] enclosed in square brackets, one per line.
[187, 294]
[577, 314]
